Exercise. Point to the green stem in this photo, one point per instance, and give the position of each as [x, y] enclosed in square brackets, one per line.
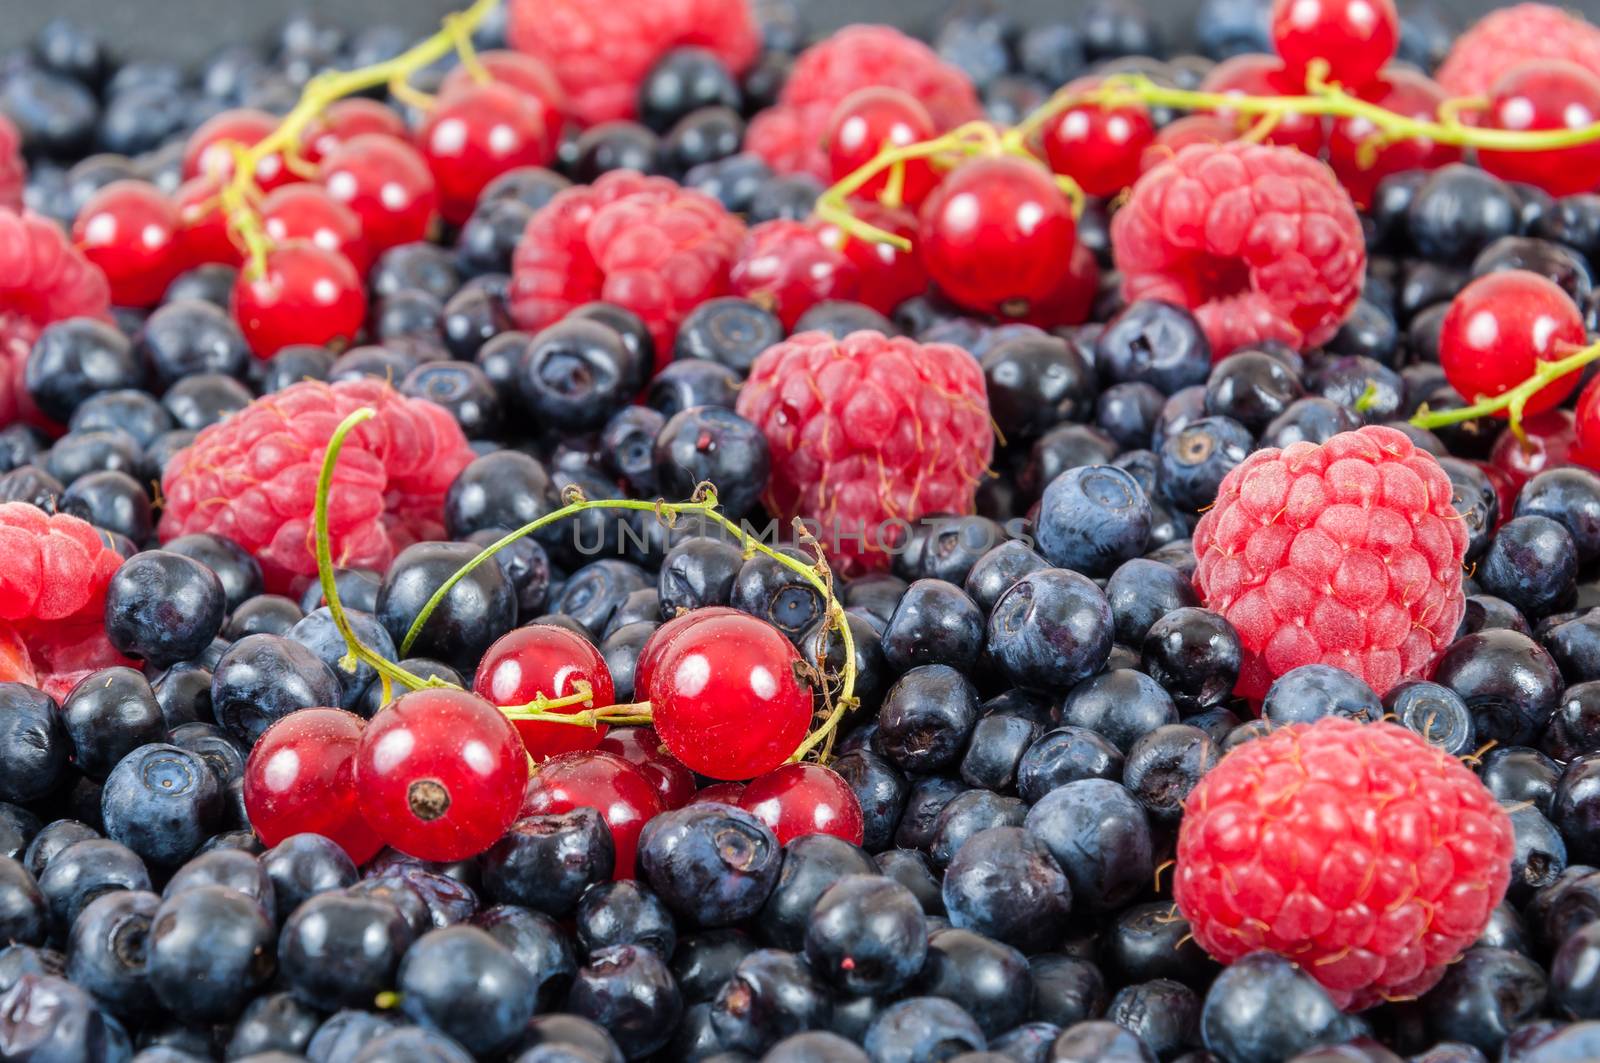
[1515, 400]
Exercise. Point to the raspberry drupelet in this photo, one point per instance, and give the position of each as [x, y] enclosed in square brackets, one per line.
[1260, 241]
[253, 478]
[1369, 857]
[1346, 553]
[868, 433]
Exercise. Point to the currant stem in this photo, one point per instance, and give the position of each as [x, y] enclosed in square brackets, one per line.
[1514, 400]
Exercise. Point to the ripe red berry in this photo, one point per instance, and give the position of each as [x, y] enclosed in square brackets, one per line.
[474, 135]
[300, 779]
[347, 118]
[1254, 74]
[202, 225]
[1515, 34]
[1404, 92]
[1545, 94]
[1098, 147]
[306, 295]
[387, 183]
[130, 230]
[1550, 439]
[728, 699]
[718, 793]
[801, 799]
[1369, 857]
[441, 774]
[1073, 299]
[527, 75]
[305, 211]
[603, 781]
[1355, 37]
[871, 119]
[888, 276]
[663, 635]
[786, 267]
[548, 660]
[1498, 329]
[210, 149]
[994, 235]
[641, 747]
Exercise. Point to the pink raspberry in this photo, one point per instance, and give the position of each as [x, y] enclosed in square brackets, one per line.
[1260, 241]
[1348, 554]
[601, 50]
[640, 242]
[253, 478]
[868, 433]
[789, 136]
[1508, 36]
[13, 171]
[785, 266]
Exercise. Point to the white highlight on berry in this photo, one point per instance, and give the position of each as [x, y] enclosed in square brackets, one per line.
[392, 750]
[283, 768]
[449, 137]
[478, 757]
[693, 675]
[763, 683]
[1483, 330]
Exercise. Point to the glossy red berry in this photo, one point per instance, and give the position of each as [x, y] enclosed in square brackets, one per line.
[307, 294]
[441, 774]
[474, 135]
[603, 781]
[727, 697]
[548, 660]
[641, 747]
[800, 799]
[786, 267]
[1545, 94]
[347, 118]
[210, 149]
[1354, 37]
[524, 73]
[300, 779]
[387, 183]
[131, 231]
[1074, 295]
[1254, 74]
[887, 276]
[663, 636]
[306, 211]
[871, 119]
[1498, 329]
[1098, 147]
[718, 793]
[1550, 439]
[994, 235]
[202, 225]
[1404, 92]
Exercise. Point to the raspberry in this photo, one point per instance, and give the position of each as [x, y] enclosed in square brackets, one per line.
[1348, 553]
[640, 242]
[868, 433]
[13, 171]
[43, 279]
[790, 136]
[1260, 241]
[253, 478]
[601, 52]
[786, 267]
[52, 597]
[1367, 856]
[1511, 35]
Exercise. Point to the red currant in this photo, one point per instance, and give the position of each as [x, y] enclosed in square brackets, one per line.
[203, 227]
[888, 275]
[306, 211]
[602, 781]
[1098, 147]
[718, 793]
[346, 118]
[1545, 94]
[476, 134]
[994, 235]
[307, 294]
[871, 119]
[727, 697]
[210, 148]
[641, 747]
[131, 231]
[526, 74]
[1498, 329]
[1404, 92]
[1073, 300]
[441, 774]
[785, 266]
[1177, 135]
[1354, 37]
[800, 799]
[1261, 75]
[387, 183]
[548, 660]
[1551, 441]
[1587, 424]
[300, 779]
[663, 635]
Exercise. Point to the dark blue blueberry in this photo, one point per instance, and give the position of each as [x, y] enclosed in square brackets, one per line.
[1097, 1040]
[238, 871]
[1121, 706]
[318, 633]
[238, 571]
[412, 1044]
[49, 1020]
[952, 546]
[983, 975]
[1312, 691]
[78, 358]
[1092, 519]
[1519, 775]
[1458, 211]
[83, 871]
[135, 414]
[1036, 382]
[1065, 447]
[108, 714]
[24, 913]
[598, 591]
[345, 1033]
[342, 949]
[113, 501]
[1128, 412]
[204, 399]
[51, 840]
[998, 569]
[1485, 612]
[1252, 388]
[1195, 654]
[1476, 500]
[935, 623]
[304, 865]
[1508, 681]
[623, 913]
[1151, 941]
[546, 862]
[1369, 332]
[881, 789]
[187, 337]
[461, 388]
[614, 145]
[1574, 728]
[18, 827]
[1003, 883]
[1575, 809]
[921, 1030]
[698, 572]
[34, 743]
[465, 984]
[1195, 459]
[79, 454]
[577, 373]
[1369, 388]
[927, 717]
[506, 489]
[928, 797]
[1569, 495]
[1573, 985]
[732, 181]
[692, 382]
[839, 318]
[1538, 854]
[1560, 265]
[164, 607]
[1265, 1009]
[274, 1027]
[1065, 755]
[1483, 997]
[968, 813]
[713, 865]
[1049, 629]
[765, 588]
[995, 751]
[709, 444]
[162, 802]
[728, 331]
[867, 935]
[210, 951]
[1066, 989]
[1158, 343]
[790, 197]
[629, 991]
[1435, 712]
[1142, 591]
[420, 265]
[811, 863]
[771, 995]
[262, 678]
[1052, 52]
[1165, 764]
[1100, 835]
[476, 611]
[684, 80]
[1531, 563]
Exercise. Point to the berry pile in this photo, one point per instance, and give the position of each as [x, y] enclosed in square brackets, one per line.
[670, 533]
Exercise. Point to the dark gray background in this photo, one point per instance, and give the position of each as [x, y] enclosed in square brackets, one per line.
[189, 30]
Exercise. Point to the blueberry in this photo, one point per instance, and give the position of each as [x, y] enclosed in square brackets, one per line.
[1560, 265]
[1093, 519]
[922, 1030]
[24, 913]
[1050, 628]
[412, 1044]
[262, 678]
[546, 862]
[164, 607]
[692, 382]
[460, 981]
[614, 145]
[342, 949]
[109, 713]
[133, 414]
[1100, 835]
[1122, 706]
[684, 80]
[506, 489]
[1571, 496]
[1066, 989]
[1141, 592]
[162, 802]
[1164, 765]
[701, 136]
[1158, 343]
[995, 751]
[1312, 691]
[1128, 412]
[867, 935]
[304, 865]
[570, 1032]
[1064, 447]
[210, 950]
[1195, 654]
[934, 623]
[815, 1046]
[476, 611]
[1195, 459]
[998, 569]
[1264, 1008]
[811, 863]
[732, 181]
[629, 991]
[880, 788]
[47, 1019]
[1029, 1043]
[34, 743]
[728, 331]
[1065, 755]
[1435, 712]
[1251, 388]
[776, 593]
[51, 840]
[1004, 884]
[1458, 211]
[771, 995]
[83, 871]
[927, 717]
[1150, 941]
[1484, 996]
[1314, 420]
[965, 815]
[790, 197]
[577, 373]
[75, 359]
[1538, 855]
[446, 899]
[1531, 563]
[1035, 383]
[274, 1024]
[1508, 681]
[713, 865]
